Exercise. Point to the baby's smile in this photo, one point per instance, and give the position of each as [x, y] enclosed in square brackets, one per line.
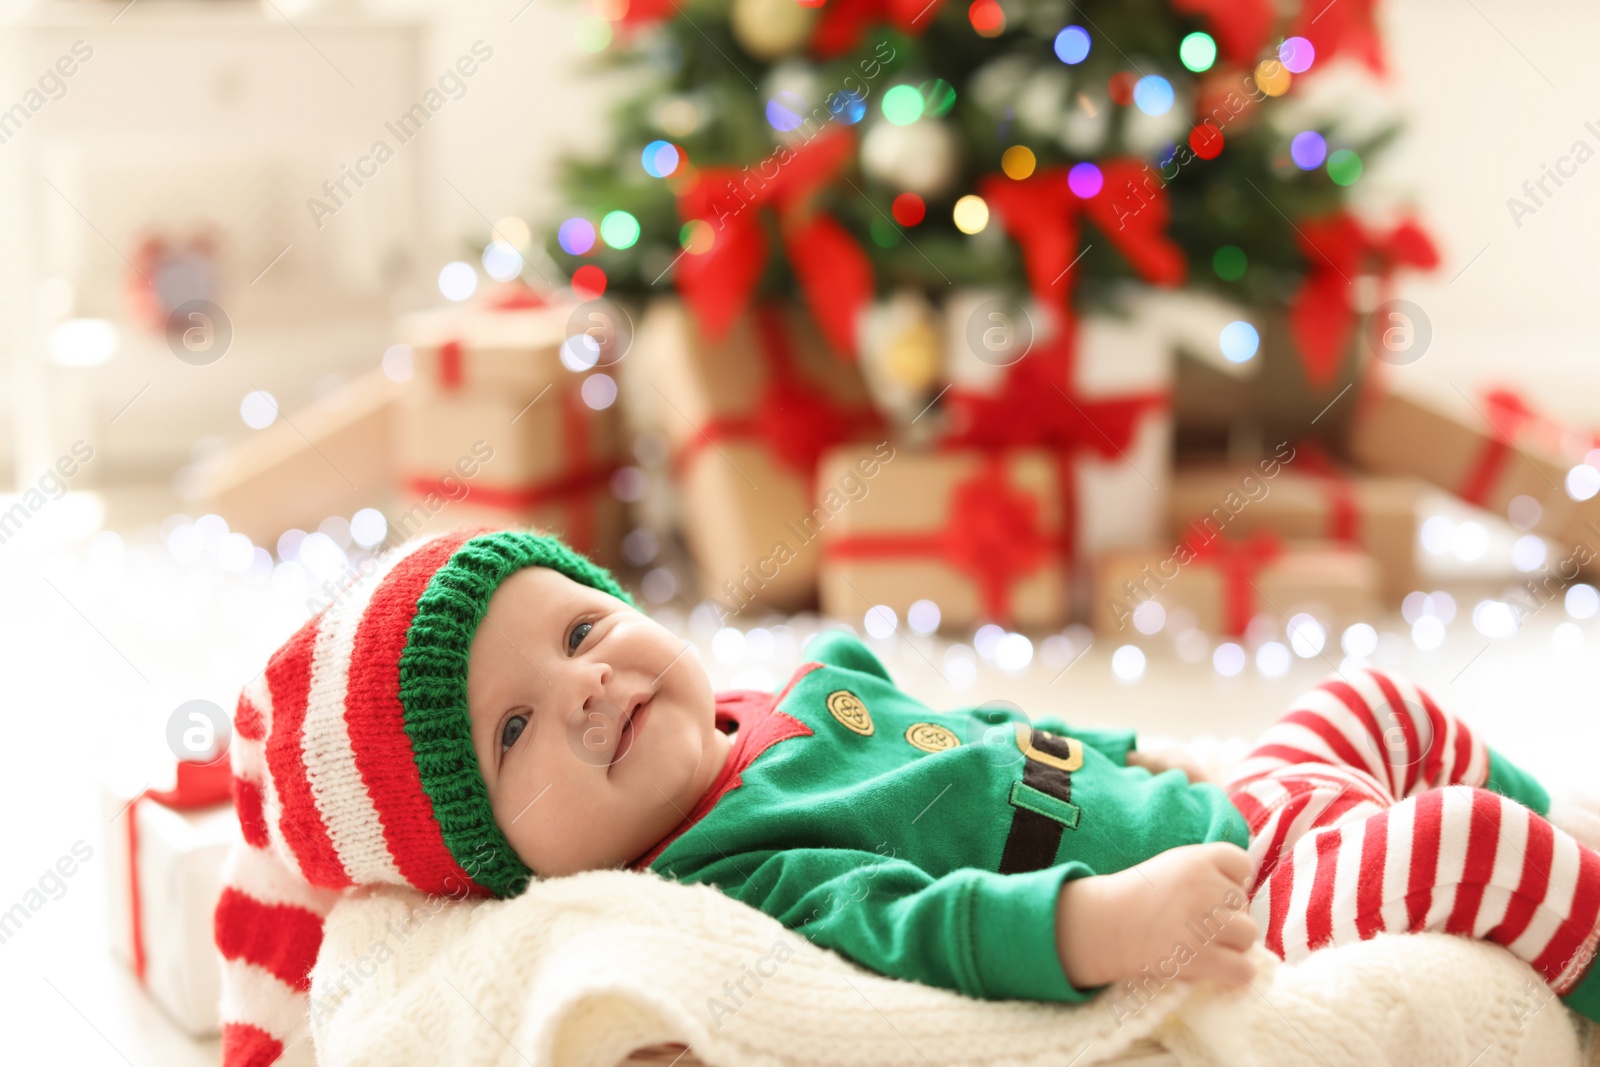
[594, 728]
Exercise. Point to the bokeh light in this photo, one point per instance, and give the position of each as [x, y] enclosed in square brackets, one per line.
[970, 214]
[660, 158]
[1018, 162]
[258, 409]
[1239, 341]
[501, 262]
[1085, 180]
[1072, 45]
[987, 18]
[1152, 94]
[457, 281]
[1344, 167]
[786, 111]
[908, 209]
[619, 229]
[1297, 54]
[847, 106]
[1229, 262]
[1273, 77]
[938, 97]
[1308, 150]
[697, 236]
[902, 105]
[1206, 141]
[589, 281]
[1127, 663]
[1198, 51]
[576, 236]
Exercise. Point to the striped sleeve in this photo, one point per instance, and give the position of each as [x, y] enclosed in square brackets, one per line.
[268, 919]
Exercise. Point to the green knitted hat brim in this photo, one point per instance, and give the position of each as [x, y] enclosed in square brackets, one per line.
[433, 691]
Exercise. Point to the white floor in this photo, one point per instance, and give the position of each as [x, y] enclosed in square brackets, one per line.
[100, 643]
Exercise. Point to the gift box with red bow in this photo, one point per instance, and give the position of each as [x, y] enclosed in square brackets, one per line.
[164, 851]
[1486, 446]
[747, 413]
[979, 532]
[494, 429]
[1299, 493]
[1227, 582]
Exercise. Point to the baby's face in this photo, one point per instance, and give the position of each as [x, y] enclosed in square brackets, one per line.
[557, 671]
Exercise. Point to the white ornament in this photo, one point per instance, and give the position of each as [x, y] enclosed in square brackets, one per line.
[920, 158]
[771, 28]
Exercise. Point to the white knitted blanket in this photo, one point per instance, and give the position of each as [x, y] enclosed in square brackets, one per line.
[581, 971]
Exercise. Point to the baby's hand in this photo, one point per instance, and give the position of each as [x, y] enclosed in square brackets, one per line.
[1110, 926]
[1167, 757]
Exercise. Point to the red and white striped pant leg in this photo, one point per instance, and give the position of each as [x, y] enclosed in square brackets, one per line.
[1458, 859]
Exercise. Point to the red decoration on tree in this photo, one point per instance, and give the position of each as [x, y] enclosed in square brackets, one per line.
[1239, 26]
[1338, 250]
[845, 22]
[1346, 27]
[832, 269]
[1206, 141]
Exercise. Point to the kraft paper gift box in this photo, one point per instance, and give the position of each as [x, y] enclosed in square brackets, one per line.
[746, 417]
[1098, 395]
[508, 342]
[474, 457]
[979, 533]
[1298, 494]
[333, 457]
[1486, 447]
[1226, 583]
[163, 855]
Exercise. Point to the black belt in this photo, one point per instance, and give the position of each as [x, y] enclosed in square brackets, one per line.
[1043, 801]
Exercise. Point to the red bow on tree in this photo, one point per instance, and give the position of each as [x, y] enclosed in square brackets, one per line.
[1345, 27]
[1337, 250]
[845, 22]
[834, 273]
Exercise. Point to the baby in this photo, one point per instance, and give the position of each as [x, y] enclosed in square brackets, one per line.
[489, 707]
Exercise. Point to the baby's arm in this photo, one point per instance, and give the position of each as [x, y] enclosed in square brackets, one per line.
[1183, 913]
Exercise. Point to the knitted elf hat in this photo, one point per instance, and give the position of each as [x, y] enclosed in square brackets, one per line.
[353, 765]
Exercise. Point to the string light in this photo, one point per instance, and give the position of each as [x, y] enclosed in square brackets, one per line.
[1085, 180]
[908, 209]
[1273, 77]
[619, 229]
[1308, 150]
[1206, 140]
[1344, 167]
[970, 214]
[1153, 95]
[576, 236]
[589, 281]
[902, 105]
[1297, 55]
[1239, 342]
[1198, 51]
[987, 18]
[1017, 162]
[1072, 45]
[660, 158]
[1229, 262]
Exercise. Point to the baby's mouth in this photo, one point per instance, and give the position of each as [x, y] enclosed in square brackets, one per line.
[630, 727]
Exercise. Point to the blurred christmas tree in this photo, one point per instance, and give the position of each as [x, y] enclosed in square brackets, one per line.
[846, 148]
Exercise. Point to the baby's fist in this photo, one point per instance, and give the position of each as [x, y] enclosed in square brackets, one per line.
[1183, 913]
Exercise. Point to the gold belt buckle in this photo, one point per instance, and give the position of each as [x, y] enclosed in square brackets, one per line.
[1074, 747]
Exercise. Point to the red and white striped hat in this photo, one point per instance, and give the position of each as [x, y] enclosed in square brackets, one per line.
[353, 765]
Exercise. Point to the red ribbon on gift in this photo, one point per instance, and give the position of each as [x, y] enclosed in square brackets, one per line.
[1238, 561]
[1037, 404]
[1344, 514]
[845, 22]
[1510, 416]
[834, 273]
[1337, 250]
[991, 533]
[794, 420]
[198, 785]
[507, 298]
[575, 489]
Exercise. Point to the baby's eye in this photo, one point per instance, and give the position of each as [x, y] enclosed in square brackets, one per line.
[579, 632]
[512, 730]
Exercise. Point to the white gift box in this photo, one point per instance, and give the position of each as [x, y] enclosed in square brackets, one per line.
[173, 880]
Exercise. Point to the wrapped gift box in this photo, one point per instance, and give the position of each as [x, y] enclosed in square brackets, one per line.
[478, 457]
[980, 533]
[1305, 497]
[1226, 583]
[164, 851]
[508, 342]
[333, 457]
[747, 418]
[1097, 394]
[1486, 448]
